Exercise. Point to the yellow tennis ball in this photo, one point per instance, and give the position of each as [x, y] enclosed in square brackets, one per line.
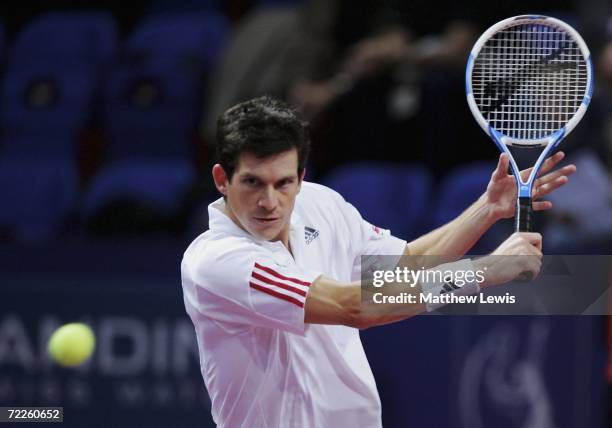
[71, 344]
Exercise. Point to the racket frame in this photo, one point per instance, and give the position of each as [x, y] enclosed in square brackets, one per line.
[503, 142]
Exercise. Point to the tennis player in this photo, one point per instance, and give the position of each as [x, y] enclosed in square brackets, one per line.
[273, 287]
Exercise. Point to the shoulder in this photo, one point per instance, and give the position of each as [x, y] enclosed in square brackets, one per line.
[319, 195]
[213, 255]
[326, 201]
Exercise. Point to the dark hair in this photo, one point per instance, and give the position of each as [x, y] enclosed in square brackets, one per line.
[263, 127]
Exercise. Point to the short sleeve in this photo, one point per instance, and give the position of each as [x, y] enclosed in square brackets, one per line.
[246, 284]
[367, 239]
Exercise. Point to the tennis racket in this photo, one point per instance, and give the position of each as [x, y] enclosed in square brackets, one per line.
[529, 81]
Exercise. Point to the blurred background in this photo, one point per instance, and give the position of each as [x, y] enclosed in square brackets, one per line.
[107, 138]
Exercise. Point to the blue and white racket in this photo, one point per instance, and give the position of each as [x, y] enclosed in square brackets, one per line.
[529, 81]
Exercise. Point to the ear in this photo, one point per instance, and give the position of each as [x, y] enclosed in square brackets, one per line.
[220, 178]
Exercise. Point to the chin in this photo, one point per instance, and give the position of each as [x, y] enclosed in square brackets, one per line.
[268, 236]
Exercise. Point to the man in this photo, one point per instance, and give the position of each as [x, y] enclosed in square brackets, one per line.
[273, 287]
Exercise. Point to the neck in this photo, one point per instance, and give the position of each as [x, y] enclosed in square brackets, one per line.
[283, 236]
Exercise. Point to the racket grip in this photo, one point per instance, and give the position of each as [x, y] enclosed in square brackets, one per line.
[524, 223]
[524, 215]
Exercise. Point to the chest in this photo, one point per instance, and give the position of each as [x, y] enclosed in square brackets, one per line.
[319, 249]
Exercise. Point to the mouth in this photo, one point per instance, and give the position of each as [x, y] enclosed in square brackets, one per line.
[266, 220]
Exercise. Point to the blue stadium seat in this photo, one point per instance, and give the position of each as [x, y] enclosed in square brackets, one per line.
[152, 99]
[158, 183]
[390, 196]
[150, 116]
[51, 81]
[66, 39]
[47, 98]
[37, 198]
[193, 39]
[42, 111]
[459, 189]
[150, 111]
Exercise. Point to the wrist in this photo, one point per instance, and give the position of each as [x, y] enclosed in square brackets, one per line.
[488, 211]
[482, 264]
[456, 278]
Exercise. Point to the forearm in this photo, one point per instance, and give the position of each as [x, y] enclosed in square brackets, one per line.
[374, 313]
[458, 236]
[353, 305]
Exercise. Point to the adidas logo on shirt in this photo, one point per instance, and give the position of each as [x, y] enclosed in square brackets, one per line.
[447, 287]
[310, 234]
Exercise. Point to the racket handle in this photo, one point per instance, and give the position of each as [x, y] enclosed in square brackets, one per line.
[524, 223]
[524, 215]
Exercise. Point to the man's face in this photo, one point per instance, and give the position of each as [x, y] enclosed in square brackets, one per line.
[261, 194]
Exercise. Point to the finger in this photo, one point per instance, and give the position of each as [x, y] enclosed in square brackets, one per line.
[542, 205]
[535, 248]
[566, 170]
[548, 164]
[535, 266]
[551, 162]
[527, 242]
[502, 167]
[545, 189]
[533, 238]
[532, 250]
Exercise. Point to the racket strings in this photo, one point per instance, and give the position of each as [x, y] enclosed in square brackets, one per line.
[529, 80]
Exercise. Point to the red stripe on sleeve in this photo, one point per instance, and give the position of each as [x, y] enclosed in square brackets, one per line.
[277, 294]
[278, 275]
[278, 284]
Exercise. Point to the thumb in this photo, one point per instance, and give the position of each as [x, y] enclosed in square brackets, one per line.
[502, 167]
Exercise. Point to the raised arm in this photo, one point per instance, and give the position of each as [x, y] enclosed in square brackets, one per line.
[458, 236]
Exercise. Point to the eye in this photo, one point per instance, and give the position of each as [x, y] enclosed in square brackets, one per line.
[251, 181]
[286, 182]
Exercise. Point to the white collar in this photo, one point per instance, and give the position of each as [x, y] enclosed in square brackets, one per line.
[218, 221]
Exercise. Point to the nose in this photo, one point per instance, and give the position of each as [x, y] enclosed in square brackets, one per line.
[268, 199]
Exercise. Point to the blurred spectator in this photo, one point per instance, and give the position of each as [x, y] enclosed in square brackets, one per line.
[252, 64]
[595, 129]
[377, 79]
[389, 46]
[582, 219]
[605, 71]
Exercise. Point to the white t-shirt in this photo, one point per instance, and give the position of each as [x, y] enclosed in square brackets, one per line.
[262, 365]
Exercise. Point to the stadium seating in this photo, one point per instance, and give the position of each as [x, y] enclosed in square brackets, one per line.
[457, 191]
[49, 87]
[185, 39]
[38, 197]
[66, 39]
[390, 196]
[151, 108]
[47, 100]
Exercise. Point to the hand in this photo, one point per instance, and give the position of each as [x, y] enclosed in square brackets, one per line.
[501, 191]
[309, 97]
[521, 252]
[373, 53]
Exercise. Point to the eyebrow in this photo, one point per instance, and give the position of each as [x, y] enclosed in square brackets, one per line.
[250, 175]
